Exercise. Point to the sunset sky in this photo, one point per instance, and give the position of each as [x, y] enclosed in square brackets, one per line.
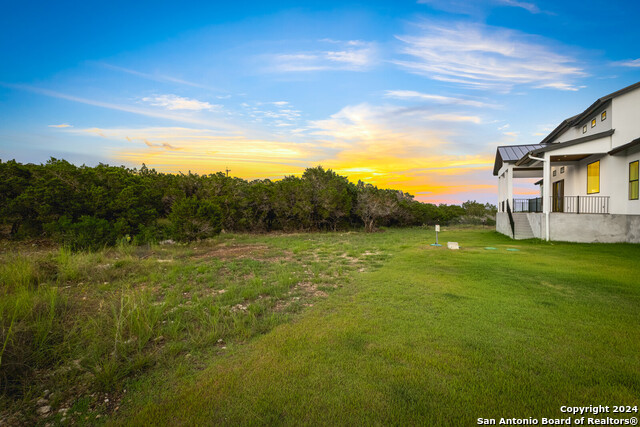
[408, 95]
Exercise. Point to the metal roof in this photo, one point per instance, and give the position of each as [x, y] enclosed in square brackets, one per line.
[511, 153]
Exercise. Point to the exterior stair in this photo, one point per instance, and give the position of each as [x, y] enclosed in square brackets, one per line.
[522, 227]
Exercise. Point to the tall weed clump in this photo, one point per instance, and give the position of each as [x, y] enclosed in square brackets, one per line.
[31, 323]
[119, 337]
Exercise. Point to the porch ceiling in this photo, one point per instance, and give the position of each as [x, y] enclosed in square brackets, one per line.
[527, 172]
[569, 157]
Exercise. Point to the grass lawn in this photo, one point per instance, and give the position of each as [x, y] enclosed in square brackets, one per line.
[356, 328]
[435, 337]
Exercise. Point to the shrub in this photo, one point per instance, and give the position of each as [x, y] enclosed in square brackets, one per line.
[193, 219]
[88, 233]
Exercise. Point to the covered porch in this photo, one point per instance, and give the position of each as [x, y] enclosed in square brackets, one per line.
[559, 206]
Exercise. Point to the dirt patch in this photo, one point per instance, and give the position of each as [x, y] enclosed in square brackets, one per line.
[367, 253]
[212, 292]
[352, 260]
[255, 251]
[303, 291]
[309, 289]
[239, 308]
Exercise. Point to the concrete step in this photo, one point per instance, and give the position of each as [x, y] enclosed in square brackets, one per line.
[522, 228]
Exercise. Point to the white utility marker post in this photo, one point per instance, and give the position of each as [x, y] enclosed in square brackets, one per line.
[437, 230]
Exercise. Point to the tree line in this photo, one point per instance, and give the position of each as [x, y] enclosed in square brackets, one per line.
[90, 207]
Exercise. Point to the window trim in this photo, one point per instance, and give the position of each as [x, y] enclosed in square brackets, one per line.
[635, 180]
[589, 164]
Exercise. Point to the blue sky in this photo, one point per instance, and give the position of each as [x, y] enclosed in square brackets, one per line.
[408, 95]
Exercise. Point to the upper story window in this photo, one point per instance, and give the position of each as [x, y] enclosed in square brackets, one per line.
[593, 123]
[584, 129]
[603, 116]
[633, 180]
[593, 177]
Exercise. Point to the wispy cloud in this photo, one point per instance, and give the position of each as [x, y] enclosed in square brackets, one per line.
[439, 99]
[530, 7]
[157, 77]
[485, 57]
[62, 125]
[123, 107]
[278, 113]
[175, 102]
[479, 7]
[455, 118]
[543, 130]
[353, 55]
[164, 145]
[560, 86]
[634, 63]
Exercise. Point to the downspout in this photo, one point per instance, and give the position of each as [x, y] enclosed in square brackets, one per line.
[546, 213]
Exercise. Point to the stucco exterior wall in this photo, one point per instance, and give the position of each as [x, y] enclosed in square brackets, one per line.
[502, 224]
[582, 228]
[626, 120]
[537, 223]
[633, 228]
[588, 228]
[601, 126]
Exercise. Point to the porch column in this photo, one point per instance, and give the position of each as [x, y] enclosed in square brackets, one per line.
[546, 191]
[499, 193]
[510, 186]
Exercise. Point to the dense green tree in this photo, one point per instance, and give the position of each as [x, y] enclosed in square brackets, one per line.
[89, 207]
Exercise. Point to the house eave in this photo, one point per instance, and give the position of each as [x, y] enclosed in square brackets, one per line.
[624, 147]
[525, 160]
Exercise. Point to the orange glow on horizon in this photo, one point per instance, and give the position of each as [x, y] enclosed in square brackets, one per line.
[416, 168]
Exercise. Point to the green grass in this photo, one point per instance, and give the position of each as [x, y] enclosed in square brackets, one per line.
[330, 328]
[435, 337]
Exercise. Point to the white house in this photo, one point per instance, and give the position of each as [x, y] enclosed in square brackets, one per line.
[588, 167]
